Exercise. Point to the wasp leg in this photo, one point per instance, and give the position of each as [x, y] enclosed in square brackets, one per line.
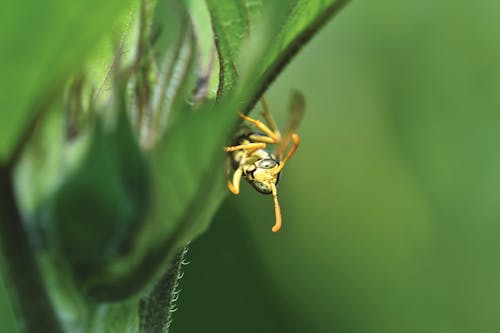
[250, 147]
[268, 117]
[277, 210]
[296, 142]
[234, 186]
[261, 138]
[260, 125]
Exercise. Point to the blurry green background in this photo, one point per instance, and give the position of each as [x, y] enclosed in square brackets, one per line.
[390, 207]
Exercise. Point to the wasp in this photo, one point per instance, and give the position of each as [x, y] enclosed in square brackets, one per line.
[251, 158]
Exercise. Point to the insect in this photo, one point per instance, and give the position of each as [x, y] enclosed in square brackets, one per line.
[251, 158]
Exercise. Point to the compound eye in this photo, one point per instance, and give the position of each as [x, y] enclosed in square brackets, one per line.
[267, 164]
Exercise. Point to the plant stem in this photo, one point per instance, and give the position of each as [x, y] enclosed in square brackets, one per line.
[155, 310]
[29, 296]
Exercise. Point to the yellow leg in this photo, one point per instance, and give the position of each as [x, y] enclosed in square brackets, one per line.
[261, 138]
[234, 186]
[296, 142]
[260, 125]
[277, 210]
[248, 147]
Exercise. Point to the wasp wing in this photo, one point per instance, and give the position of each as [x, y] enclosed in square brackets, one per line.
[296, 108]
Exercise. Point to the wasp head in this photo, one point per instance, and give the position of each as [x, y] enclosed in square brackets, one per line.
[266, 175]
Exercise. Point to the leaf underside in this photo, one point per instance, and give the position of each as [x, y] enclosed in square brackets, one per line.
[187, 165]
[145, 205]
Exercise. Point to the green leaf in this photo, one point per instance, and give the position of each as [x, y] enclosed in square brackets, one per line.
[96, 211]
[230, 21]
[89, 218]
[42, 44]
[263, 44]
[27, 290]
[187, 165]
[121, 214]
[155, 311]
[40, 168]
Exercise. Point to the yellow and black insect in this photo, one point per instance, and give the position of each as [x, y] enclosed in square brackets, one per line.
[251, 159]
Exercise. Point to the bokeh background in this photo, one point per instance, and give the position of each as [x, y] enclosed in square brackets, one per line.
[391, 206]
